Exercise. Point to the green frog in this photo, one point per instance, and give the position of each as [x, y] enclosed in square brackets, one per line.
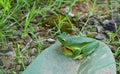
[77, 47]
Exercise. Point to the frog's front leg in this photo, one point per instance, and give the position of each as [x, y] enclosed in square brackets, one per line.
[79, 57]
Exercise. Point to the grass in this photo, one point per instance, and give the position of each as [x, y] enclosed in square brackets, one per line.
[20, 56]
[29, 17]
[20, 14]
[91, 10]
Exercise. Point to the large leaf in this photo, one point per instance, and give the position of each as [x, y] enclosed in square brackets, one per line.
[52, 61]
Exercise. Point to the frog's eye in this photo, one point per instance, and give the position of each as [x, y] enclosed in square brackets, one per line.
[63, 40]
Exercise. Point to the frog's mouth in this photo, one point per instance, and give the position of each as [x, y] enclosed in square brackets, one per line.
[72, 48]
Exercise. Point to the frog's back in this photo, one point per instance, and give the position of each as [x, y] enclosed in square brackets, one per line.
[77, 40]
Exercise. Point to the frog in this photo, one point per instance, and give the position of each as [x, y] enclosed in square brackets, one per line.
[77, 47]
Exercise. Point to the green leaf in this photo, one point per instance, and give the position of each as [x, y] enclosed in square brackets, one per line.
[53, 61]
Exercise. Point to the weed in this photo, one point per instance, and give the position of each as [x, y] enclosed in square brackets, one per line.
[117, 52]
[91, 10]
[28, 19]
[38, 42]
[6, 4]
[19, 56]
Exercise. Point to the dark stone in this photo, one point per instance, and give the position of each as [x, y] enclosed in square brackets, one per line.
[21, 68]
[1, 62]
[118, 72]
[110, 25]
[100, 37]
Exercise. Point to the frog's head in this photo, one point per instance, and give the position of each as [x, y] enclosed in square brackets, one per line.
[63, 38]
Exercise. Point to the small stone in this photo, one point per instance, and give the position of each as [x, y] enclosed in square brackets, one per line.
[33, 51]
[19, 61]
[113, 48]
[116, 17]
[51, 40]
[19, 68]
[11, 52]
[67, 9]
[118, 72]
[100, 37]
[69, 13]
[1, 62]
[99, 28]
[26, 58]
[10, 66]
[33, 57]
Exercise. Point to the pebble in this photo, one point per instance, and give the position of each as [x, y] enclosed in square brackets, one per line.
[69, 12]
[116, 17]
[100, 29]
[33, 51]
[1, 62]
[19, 68]
[51, 40]
[100, 37]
